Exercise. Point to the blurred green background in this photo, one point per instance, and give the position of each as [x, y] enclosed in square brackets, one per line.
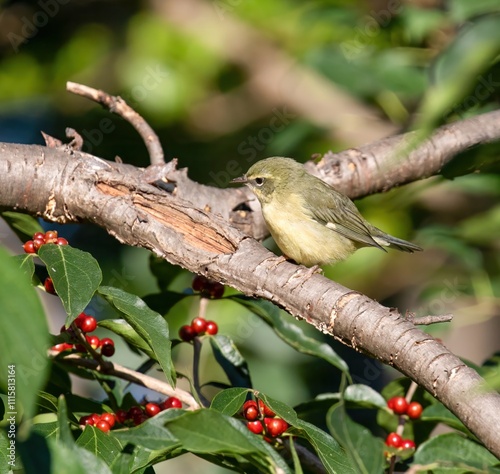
[235, 81]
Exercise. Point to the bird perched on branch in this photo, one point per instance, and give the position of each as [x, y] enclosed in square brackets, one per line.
[311, 222]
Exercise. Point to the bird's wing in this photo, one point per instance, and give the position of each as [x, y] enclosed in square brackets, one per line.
[337, 212]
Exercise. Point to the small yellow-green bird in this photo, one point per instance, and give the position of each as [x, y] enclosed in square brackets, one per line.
[311, 222]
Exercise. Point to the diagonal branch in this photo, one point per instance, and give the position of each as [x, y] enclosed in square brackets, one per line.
[69, 186]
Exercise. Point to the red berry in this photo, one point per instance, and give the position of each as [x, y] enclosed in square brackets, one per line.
[107, 350]
[199, 325]
[265, 409]
[199, 283]
[134, 411]
[102, 425]
[61, 241]
[109, 418]
[39, 236]
[187, 333]
[152, 409]
[107, 341]
[212, 328]
[49, 286]
[89, 324]
[414, 410]
[251, 413]
[255, 427]
[171, 402]
[50, 236]
[93, 341]
[29, 247]
[249, 403]
[398, 405]
[86, 420]
[216, 290]
[95, 418]
[394, 440]
[63, 346]
[79, 319]
[407, 444]
[37, 243]
[276, 426]
[139, 419]
[121, 416]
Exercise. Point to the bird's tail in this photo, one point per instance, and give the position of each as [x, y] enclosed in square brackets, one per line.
[386, 240]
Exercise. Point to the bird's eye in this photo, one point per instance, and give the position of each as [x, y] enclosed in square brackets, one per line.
[259, 181]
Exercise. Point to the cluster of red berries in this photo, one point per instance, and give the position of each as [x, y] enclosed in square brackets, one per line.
[133, 416]
[255, 414]
[86, 324]
[394, 440]
[39, 239]
[198, 327]
[207, 288]
[400, 406]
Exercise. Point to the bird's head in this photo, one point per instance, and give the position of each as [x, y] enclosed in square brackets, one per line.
[268, 177]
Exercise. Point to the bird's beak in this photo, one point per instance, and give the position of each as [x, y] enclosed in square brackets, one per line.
[241, 179]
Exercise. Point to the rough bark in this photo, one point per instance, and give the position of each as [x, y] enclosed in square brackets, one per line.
[195, 226]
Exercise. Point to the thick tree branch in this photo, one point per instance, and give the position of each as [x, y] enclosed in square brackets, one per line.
[189, 227]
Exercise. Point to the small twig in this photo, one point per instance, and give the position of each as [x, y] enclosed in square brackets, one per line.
[103, 364]
[118, 106]
[50, 141]
[134, 377]
[77, 141]
[428, 320]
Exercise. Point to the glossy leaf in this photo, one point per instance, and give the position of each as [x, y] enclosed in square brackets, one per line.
[76, 276]
[22, 224]
[150, 325]
[24, 336]
[364, 449]
[230, 401]
[25, 263]
[230, 359]
[291, 333]
[127, 332]
[454, 450]
[365, 396]
[102, 445]
[335, 460]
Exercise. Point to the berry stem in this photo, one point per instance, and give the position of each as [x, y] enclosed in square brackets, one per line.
[103, 364]
[196, 370]
[202, 310]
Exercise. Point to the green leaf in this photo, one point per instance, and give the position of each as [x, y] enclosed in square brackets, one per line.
[127, 332]
[454, 450]
[150, 325]
[230, 359]
[462, 10]
[439, 413]
[335, 460]
[365, 396]
[22, 224]
[229, 401]
[207, 431]
[291, 333]
[281, 409]
[5, 459]
[64, 431]
[102, 445]
[25, 263]
[364, 449]
[76, 276]
[152, 434]
[24, 337]
[46, 425]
